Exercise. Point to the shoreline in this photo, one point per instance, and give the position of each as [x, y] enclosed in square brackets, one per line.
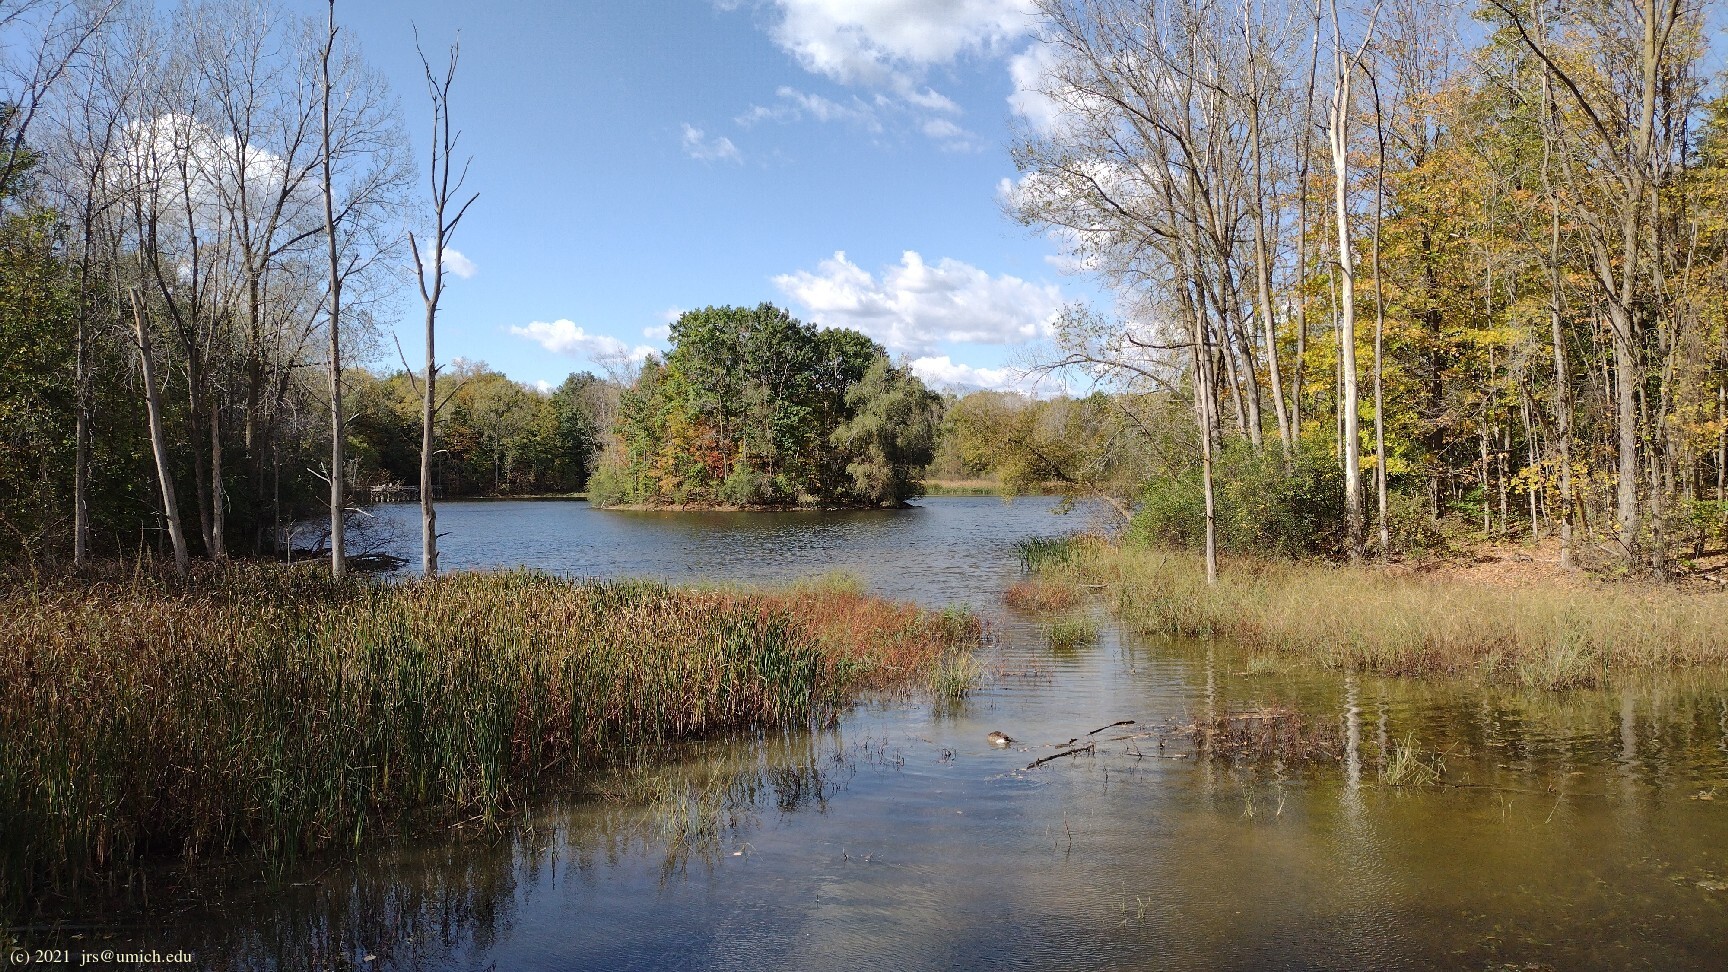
[751, 508]
[1546, 633]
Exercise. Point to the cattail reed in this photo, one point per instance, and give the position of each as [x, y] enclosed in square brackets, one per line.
[273, 711]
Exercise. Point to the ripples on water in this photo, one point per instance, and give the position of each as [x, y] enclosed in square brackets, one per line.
[1578, 830]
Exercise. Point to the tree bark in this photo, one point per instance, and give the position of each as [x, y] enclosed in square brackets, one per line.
[158, 438]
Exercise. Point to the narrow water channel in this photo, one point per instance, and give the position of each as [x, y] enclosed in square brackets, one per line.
[1578, 830]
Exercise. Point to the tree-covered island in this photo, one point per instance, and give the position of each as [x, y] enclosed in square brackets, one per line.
[752, 407]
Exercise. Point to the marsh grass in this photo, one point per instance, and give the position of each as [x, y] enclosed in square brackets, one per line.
[1041, 595]
[1407, 766]
[271, 711]
[1362, 619]
[1042, 553]
[1070, 632]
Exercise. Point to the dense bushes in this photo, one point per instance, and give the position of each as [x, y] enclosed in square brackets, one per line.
[1261, 505]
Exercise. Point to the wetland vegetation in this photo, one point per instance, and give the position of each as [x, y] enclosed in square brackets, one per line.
[1540, 633]
[278, 712]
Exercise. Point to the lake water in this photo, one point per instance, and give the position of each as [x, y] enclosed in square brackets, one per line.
[1577, 830]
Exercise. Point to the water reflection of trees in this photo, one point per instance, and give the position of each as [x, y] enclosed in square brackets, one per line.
[432, 903]
[1667, 730]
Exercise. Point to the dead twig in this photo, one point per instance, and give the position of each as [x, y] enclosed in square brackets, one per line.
[1088, 748]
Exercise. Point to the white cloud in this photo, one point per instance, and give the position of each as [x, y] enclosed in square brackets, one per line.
[455, 262]
[1030, 70]
[564, 337]
[795, 105]
[543, 386]
[915, 305]
[699, 146]
[888, 43]
[658, 332]
[458, 264]
[941, 372]
[888, 46]
[952, 136]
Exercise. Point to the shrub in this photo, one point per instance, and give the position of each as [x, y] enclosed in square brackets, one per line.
[745, 486]
[1261, 505]
[611, 486]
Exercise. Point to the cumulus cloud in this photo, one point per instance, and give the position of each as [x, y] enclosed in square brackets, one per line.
[458, 264]
[888, 43]
[887, 46]
[565, 337]
[943, 373]
[543, 386]
[952, 136]
[914, 305]
[699, 146]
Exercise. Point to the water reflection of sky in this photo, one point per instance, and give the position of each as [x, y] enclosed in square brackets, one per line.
[1571, 834]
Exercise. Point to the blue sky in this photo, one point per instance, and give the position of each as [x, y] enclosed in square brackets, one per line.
[634, 159]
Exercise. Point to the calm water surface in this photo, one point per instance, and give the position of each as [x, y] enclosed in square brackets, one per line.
[1583, 830]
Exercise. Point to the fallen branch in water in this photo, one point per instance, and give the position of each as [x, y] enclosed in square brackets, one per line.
[1124, 722]
[1088, 748]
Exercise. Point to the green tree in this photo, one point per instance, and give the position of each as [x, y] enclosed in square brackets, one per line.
[891, 435]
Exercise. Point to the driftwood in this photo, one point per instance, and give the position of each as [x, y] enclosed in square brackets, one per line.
[1088, 748]
[1124, 722]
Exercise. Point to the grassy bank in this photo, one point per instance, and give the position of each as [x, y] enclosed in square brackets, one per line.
[1370, 619]
[271, 711]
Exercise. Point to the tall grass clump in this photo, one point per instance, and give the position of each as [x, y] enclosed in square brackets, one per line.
[1070, 632]
[1041, 595]
[273, 711]
[1363, 619]
[1040, 553]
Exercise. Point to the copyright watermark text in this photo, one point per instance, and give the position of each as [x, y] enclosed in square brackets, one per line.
[63, 957]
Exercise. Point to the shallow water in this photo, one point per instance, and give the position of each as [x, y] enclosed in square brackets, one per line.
[1579, 830]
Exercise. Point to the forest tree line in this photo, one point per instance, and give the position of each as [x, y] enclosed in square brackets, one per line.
[1470, 256]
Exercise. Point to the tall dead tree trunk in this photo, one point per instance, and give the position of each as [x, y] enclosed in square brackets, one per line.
[444, 224]
[1557, 334]
[1385, 530]
[338, 457]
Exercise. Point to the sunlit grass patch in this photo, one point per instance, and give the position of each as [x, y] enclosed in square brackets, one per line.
[1362, 619]
[1041, 595]
[1070, 632]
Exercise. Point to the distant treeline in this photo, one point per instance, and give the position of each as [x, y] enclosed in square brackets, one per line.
[494, 436]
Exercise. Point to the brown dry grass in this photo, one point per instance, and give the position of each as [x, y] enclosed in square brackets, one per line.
[1042, 594]
[274, 711]
[1451, 621]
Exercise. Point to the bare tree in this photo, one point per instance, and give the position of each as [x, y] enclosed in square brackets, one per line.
[444, 223]
[360, 162]
[56, 33]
